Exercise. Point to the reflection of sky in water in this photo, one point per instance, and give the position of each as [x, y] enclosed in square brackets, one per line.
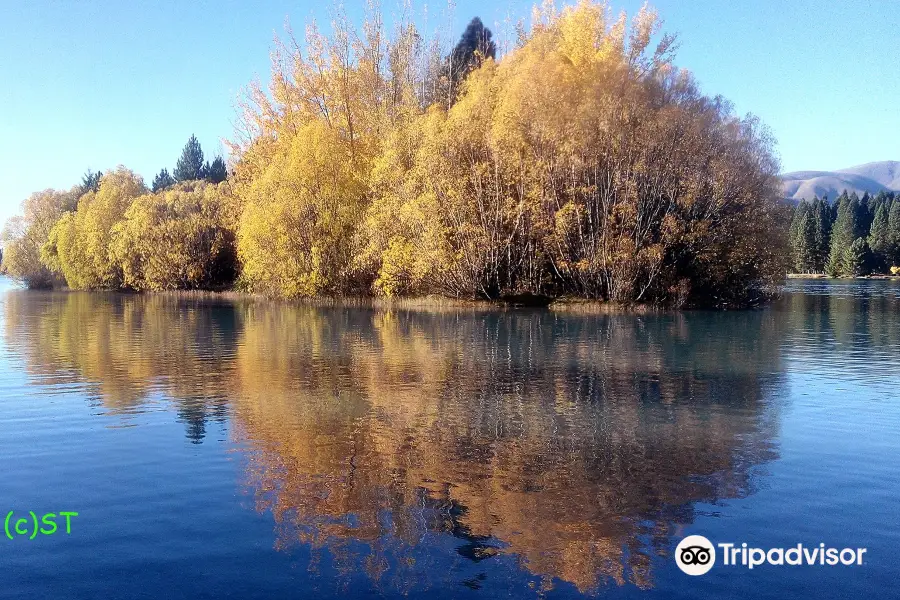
[265, 450]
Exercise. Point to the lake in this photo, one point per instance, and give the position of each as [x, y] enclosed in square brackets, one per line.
[239, 449]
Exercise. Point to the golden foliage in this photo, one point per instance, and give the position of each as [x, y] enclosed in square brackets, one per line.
[582, 163]
[79, 244]
[181, 238]
[24, 236]
[295, 234]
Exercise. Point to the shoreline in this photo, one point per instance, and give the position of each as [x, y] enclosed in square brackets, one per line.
[431, 303]
[825, 276]
[438, 304]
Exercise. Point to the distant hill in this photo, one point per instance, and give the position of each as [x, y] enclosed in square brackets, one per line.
[874, 177]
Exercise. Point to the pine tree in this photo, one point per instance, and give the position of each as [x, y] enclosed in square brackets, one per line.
[805, 254]
[822, 214]
[860, 208]
[880, 239]
[90, 182]
[857, 258]
[217, 172]
[894, 231]
[798, 244]
[474, 47]
[162, 181]
[843, 234]
[190, 165]
[865, 214]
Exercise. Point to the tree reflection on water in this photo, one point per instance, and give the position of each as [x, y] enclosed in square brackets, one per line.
[575, 445]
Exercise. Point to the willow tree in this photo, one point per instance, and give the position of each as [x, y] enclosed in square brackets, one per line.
[581, 163]
[585, 163]
[79, 243]
[308, 151]
[25, 235]
[182, 238]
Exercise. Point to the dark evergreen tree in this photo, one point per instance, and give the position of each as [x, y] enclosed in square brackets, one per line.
[880, 239]
[796, 233]
[217, 172]
[860, 215]
[894, 232]
[162, 181]
[474, 47]
[90, 182]
[843, 234]
[879, 199]
[805, 254]
[190, 165]
[865, 214]
[823, 221]
[857, 258]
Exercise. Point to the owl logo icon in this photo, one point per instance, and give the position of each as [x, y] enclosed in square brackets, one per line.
[695, 555]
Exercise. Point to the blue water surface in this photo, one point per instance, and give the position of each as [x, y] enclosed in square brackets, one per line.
[243, 449]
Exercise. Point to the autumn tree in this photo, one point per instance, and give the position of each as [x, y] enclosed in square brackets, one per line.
[78, 246]
[296, 230]
[583, 164]
[25, 235]
[182, 238]
[307, 154]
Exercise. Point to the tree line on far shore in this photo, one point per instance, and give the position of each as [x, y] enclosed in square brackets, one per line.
[583, 163]
[851, 237]
[111, 232]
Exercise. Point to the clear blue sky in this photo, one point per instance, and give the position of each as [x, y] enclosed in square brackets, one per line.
[93, 84]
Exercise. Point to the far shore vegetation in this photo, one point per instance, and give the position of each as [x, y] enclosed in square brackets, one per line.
[575, 162]
[851, 237]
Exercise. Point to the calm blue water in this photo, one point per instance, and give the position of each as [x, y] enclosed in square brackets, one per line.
[251, 450]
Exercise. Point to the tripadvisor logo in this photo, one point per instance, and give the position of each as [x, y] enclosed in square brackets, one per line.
[696, 555]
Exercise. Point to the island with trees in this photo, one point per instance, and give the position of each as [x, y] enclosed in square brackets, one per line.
[580, 163]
